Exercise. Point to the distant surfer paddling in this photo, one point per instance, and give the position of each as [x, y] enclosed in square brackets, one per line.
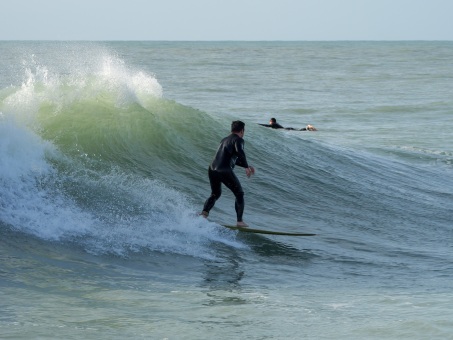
[229, 153]
[274, 125]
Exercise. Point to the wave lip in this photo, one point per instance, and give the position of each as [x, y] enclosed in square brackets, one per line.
[106, 77]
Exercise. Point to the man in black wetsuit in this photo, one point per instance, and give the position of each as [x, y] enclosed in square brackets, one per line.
[273, 124]
[230, 153]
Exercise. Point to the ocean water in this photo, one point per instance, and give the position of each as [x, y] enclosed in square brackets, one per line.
[104, 149]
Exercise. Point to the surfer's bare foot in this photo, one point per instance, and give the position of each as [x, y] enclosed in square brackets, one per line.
[242, 224]
[204, 214]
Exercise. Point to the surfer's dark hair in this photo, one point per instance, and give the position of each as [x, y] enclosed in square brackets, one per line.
[237, 126]
[273, 120]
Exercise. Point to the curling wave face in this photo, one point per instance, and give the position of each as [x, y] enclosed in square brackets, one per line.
[83, 155]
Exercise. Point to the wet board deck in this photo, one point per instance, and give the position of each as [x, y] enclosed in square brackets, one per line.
[263, 231]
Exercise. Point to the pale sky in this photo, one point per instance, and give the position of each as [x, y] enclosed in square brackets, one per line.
[310, 20]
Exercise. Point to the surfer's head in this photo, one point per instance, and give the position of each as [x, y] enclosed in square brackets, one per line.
[273, 121]
[237, 126]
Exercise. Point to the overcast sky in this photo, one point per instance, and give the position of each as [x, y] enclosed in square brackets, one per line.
[226, 20]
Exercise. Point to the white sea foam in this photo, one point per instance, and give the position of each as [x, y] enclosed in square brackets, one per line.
[28, 204]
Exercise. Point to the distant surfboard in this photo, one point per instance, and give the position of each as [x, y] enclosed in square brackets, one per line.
[263, 231]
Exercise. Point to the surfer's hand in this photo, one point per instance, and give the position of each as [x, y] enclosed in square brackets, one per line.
[250, 171]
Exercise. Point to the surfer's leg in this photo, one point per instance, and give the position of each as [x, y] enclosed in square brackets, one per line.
[216, 192]
[232, 183]
[239, 205]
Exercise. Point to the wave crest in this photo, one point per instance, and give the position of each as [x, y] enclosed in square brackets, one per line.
[92, 77]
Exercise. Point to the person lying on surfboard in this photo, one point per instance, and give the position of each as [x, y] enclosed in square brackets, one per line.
[273, 124]
[229, 153]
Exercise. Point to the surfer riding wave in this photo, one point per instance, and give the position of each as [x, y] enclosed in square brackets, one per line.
[229, 153]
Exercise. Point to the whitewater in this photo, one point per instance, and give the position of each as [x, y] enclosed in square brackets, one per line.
[104, 150]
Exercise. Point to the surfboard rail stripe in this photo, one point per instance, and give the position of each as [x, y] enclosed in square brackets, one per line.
[263, 231]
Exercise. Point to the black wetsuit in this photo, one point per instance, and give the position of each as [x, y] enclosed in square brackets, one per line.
[229, 154]
[274, 126]
[278, 126]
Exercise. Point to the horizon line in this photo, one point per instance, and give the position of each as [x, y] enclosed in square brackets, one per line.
[224, 40]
